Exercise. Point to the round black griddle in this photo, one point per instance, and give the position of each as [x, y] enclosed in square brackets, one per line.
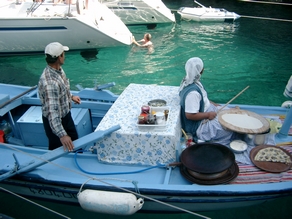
[227, 176]
[207, 158]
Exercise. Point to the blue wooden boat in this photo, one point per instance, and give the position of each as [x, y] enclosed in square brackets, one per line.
[126, 166]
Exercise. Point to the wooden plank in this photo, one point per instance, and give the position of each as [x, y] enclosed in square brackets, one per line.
[59, 152]
[16, 97]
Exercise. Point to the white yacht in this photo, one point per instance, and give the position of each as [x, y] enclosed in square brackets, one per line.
[141, 12]
[27, 27]
[202, 13]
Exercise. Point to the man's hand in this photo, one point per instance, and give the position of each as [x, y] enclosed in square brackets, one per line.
[67, 143]
[76, 99]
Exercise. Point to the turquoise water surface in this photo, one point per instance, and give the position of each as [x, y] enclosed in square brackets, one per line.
[250, 52]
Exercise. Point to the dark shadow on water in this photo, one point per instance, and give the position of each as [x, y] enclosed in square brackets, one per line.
[89, 55]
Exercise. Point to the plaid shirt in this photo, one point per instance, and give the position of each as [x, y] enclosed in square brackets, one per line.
[55, 96]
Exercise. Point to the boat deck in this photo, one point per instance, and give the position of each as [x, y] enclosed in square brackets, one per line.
[37, 10]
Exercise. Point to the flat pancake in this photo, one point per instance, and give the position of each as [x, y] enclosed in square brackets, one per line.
[274, 167]
[243, 121]
[272, 154]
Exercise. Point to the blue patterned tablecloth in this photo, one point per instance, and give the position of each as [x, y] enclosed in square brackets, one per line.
[133, 145]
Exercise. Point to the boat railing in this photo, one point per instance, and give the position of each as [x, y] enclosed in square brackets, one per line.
[200, 4]
[46, 9]
[34, 6]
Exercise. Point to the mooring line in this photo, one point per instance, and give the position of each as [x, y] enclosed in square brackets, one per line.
[19, 196]
[266, 18]
[262, 2]
[109, 184]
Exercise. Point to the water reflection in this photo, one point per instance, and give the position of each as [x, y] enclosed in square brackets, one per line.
[210, 28]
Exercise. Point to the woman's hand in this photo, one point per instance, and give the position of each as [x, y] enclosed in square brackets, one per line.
[212, 115]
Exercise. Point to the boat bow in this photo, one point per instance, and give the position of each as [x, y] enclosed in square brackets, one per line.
[29, 26]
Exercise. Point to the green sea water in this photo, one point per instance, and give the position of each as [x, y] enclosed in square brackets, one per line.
[250, 52]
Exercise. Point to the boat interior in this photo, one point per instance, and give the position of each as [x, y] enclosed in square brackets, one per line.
[24, 121]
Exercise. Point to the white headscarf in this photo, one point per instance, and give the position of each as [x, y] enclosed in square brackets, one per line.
[193, 68]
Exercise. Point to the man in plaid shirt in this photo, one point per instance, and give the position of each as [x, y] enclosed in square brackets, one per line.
[55, 96]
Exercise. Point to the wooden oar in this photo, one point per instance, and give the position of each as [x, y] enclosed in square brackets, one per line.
[16, 97]
[58, 152]
[206, 120]
[233, 98]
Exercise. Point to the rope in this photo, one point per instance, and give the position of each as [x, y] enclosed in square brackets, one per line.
[136, 186]
[266, 18]
[34, 203]
[262, 2]
[106, 183]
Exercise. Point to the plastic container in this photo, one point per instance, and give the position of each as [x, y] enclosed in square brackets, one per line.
[238, 146]
[2, 136]
[256, 139]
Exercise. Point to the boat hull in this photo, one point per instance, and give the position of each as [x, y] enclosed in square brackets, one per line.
[157, 199]
[207, 14]
[141, 12]
[25, 34]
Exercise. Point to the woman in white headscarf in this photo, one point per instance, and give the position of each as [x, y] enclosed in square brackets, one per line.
[288, 89]
[198, 113]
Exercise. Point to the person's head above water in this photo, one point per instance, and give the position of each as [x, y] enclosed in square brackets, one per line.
[147, 36]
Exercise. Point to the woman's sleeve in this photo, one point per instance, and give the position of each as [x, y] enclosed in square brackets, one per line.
[192, 102]
[288, 89]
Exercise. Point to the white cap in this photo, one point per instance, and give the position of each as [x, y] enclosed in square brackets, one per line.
[55, 49]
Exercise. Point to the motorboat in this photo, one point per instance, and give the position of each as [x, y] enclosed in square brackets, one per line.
[121, 166]
[203, 14]
[141, 12]
[27, 27]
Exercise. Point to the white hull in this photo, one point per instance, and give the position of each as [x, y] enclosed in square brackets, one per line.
[203, 14]
[30, 33]
[140, 12]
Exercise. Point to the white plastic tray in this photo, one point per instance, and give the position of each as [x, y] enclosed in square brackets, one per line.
[155, 127]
